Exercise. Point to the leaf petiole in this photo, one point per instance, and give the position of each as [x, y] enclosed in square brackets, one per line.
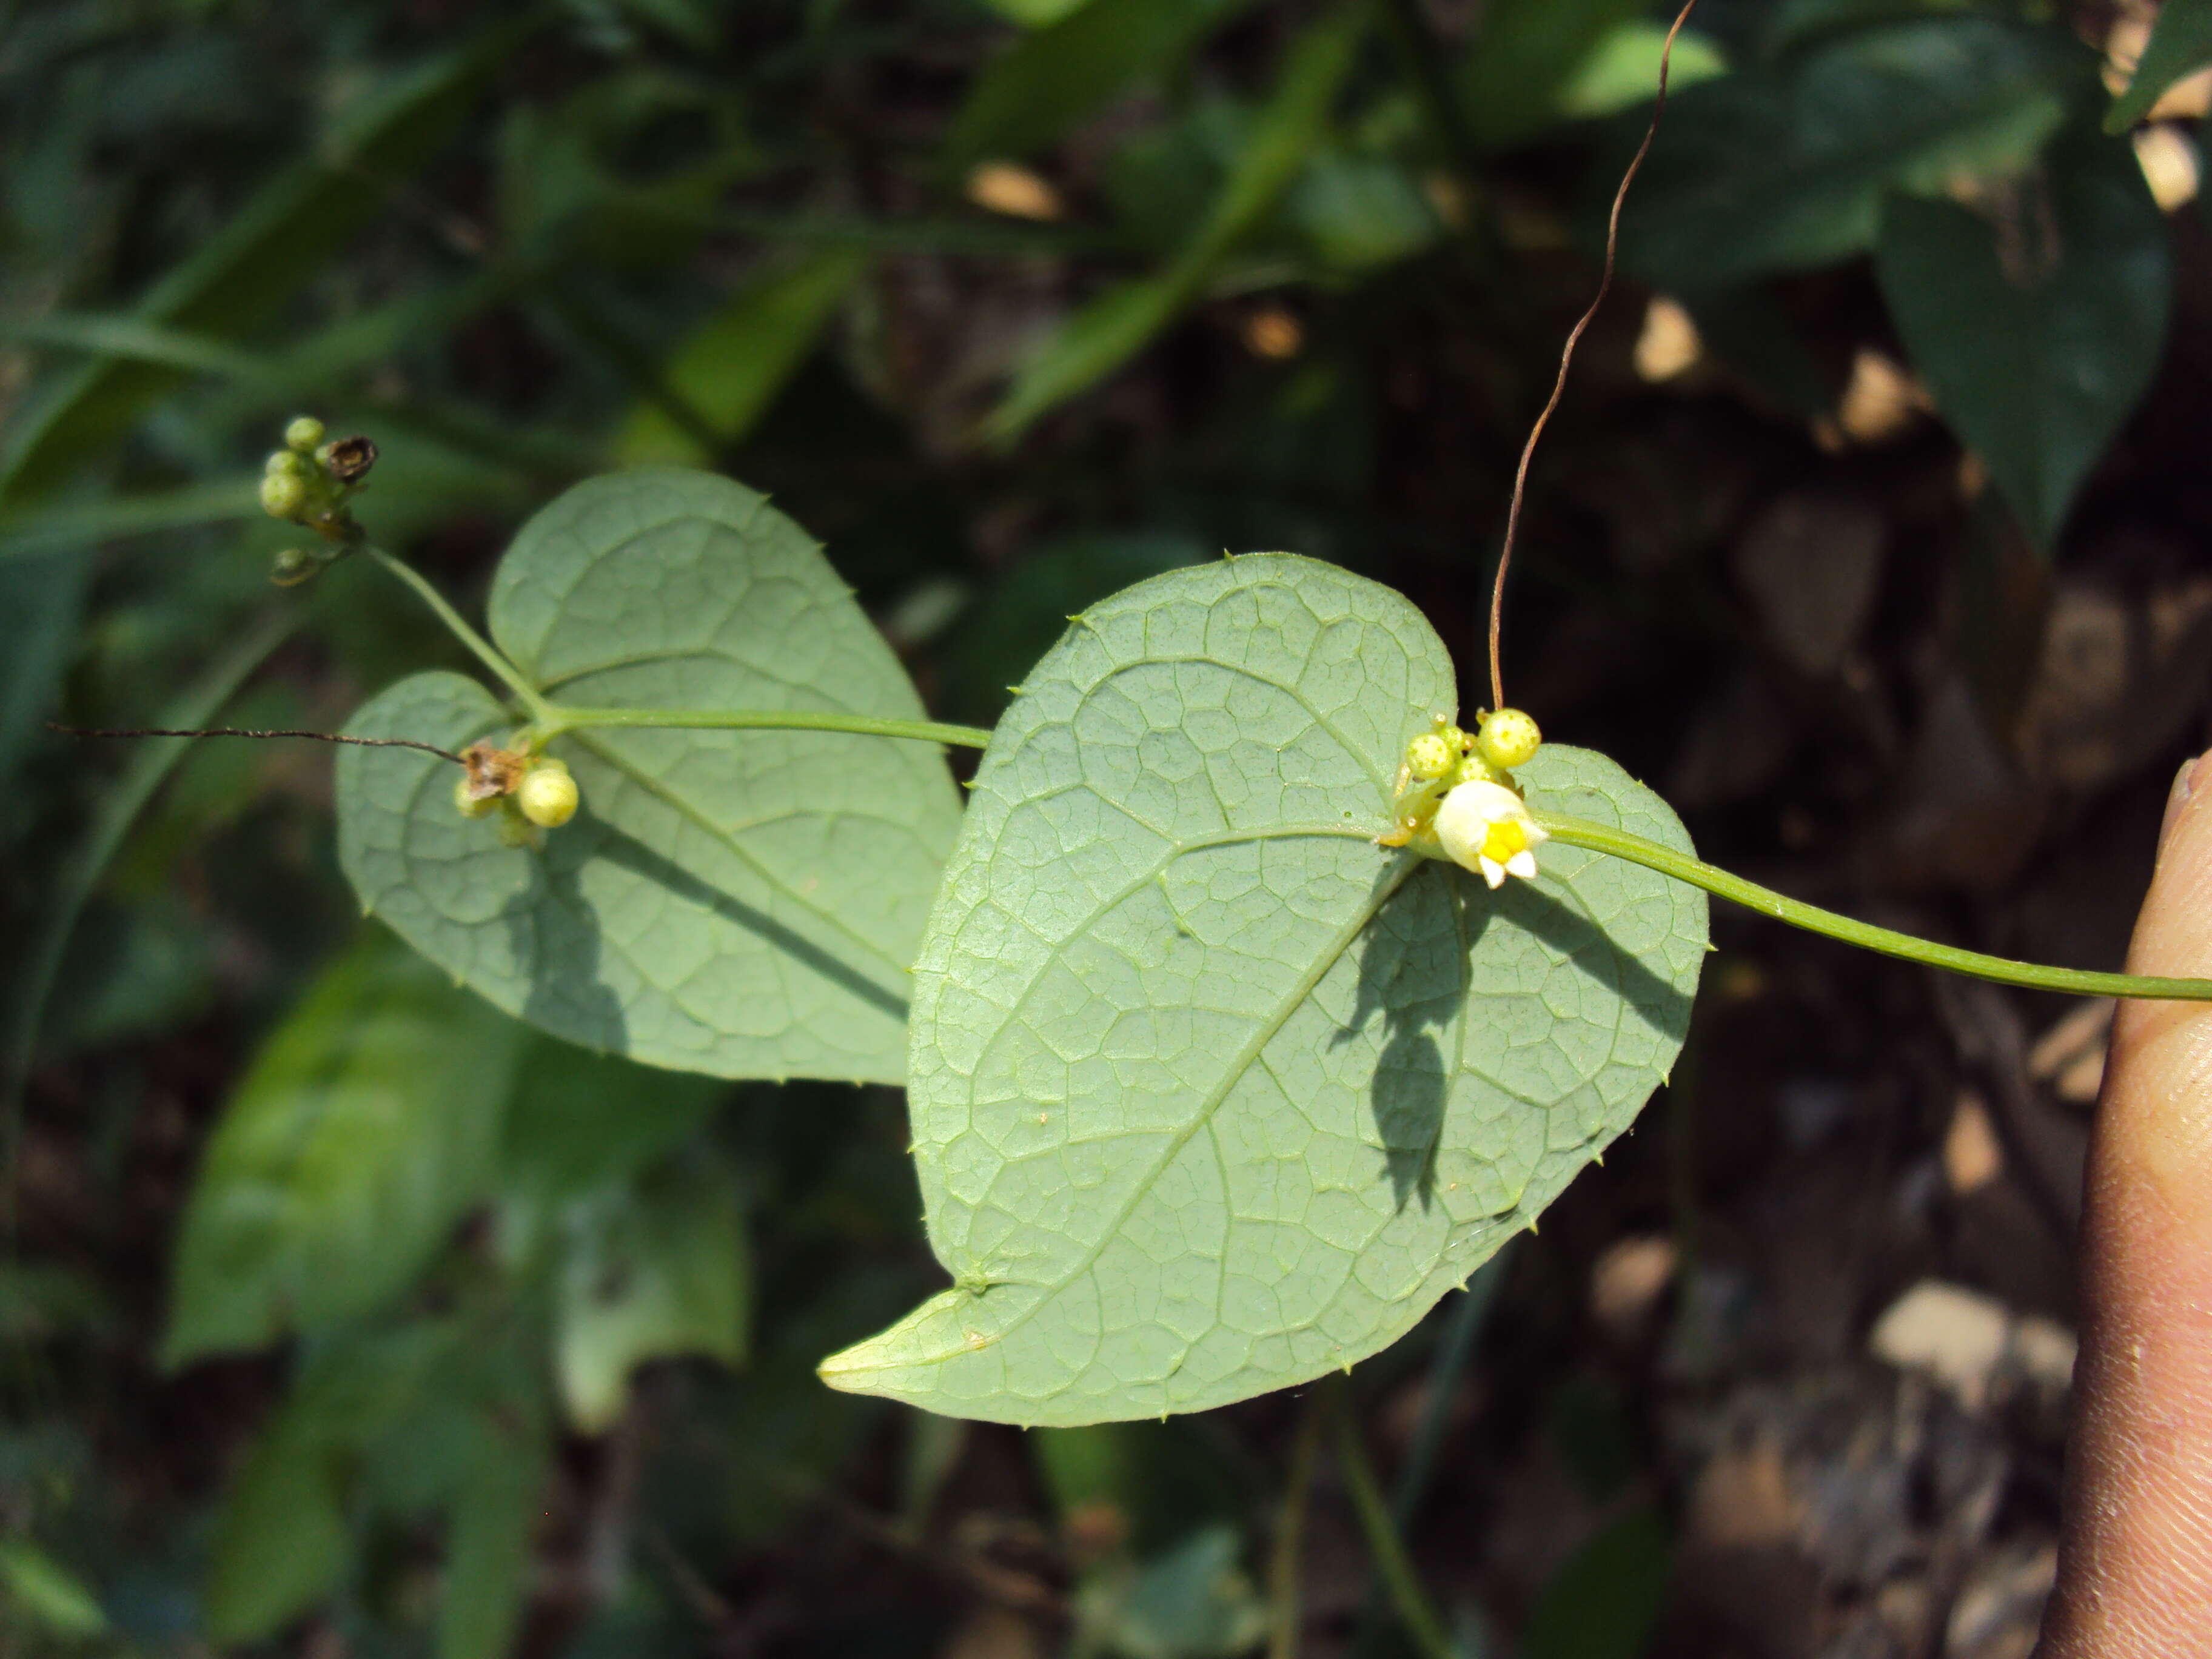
[553, 718]
[548, 720]
[485, 652]
[1620, 843]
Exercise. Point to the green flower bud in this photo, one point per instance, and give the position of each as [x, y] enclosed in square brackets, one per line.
[284, 461]
[1507, 738]
[1428, 757]
[547, 795]
[470, 805]
[1472, 769]
[303, 435]
[284, 495]
[292, 566]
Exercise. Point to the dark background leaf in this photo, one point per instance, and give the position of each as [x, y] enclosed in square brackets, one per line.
[2180, 43]
[1784, 168]
[2038, 318]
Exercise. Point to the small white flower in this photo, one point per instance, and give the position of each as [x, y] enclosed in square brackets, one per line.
[1486, 829]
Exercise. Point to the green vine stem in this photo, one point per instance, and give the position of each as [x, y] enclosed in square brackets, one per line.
[554, 719]
[1422, 1622]
[1619, 843]
[486, 653]
[549, 720]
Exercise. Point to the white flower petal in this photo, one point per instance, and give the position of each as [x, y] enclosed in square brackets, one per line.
[1467, 814]
[1464, 822]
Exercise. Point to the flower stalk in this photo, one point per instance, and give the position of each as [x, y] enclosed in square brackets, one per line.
[1885, 941]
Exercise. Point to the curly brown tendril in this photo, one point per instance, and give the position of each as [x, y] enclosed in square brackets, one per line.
[1567, 357]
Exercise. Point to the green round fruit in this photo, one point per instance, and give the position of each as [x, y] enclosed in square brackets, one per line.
[1507, 738]
[547, 795]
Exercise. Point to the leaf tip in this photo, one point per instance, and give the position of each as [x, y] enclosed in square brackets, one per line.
[846, 1370]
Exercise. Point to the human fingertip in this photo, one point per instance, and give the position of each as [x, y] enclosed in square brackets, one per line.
[2178, 797]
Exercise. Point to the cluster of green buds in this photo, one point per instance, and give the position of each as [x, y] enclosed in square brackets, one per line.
[309, 482]
[530, 792]
[1455, 796]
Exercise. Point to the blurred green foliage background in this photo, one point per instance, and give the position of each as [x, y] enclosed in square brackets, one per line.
[341, 1315]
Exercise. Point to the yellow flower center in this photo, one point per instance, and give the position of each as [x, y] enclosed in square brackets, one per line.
[1503, 840]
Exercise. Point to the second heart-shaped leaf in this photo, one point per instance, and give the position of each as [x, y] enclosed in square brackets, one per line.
[742, 903]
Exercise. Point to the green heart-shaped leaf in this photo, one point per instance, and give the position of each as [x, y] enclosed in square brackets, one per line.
[744, 903]
[1210, 1093]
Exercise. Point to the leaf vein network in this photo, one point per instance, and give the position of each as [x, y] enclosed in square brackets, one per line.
[1255, 1048]
[744, 855]
[1137, 883]
[1296, 695]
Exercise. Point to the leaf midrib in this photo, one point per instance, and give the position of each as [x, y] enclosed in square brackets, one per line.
[656, 787]
[1254, 1050]
[1265, 1033]
[1158, 867]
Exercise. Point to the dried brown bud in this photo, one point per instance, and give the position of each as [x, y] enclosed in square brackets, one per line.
[349, 460]
[492, 772]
